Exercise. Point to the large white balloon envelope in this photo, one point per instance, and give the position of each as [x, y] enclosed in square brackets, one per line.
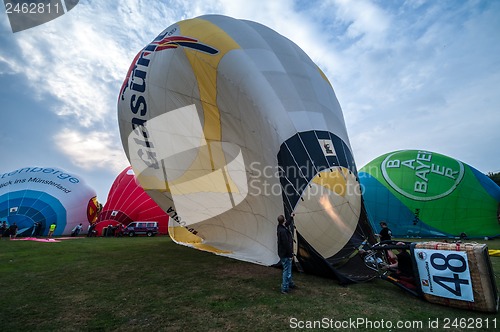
[228, 124]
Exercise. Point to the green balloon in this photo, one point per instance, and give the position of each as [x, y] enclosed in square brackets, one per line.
[427, 194]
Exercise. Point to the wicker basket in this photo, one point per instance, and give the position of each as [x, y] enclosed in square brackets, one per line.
[483, 283]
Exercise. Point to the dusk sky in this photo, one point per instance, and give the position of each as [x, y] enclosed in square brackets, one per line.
[412, 74]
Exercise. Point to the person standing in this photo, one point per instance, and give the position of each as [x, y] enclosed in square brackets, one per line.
[76, 230]
[52, 228]
[13, 231]
[385, 233]
[3, 228]
[91, 230]
[285, 252]
[36, 228]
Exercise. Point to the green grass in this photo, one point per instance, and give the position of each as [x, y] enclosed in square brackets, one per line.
[138, 284]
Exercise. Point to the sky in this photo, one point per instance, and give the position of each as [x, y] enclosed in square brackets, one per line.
[412, 74]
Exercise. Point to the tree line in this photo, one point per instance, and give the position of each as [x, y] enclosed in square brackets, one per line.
[495, 177]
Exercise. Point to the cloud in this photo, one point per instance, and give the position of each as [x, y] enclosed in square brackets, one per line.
[367, 23]
[79, 64]
[91, 150]
[80, 60]
[415, 79]
[412, 74]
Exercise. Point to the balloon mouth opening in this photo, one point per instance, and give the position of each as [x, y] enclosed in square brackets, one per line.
[329, 210]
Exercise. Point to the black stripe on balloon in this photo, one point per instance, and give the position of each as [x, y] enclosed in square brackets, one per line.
[199, 47]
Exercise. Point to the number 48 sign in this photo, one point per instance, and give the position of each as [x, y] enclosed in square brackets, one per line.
[444, 273]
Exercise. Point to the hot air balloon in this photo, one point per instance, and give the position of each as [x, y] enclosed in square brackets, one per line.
[427, 194]
[128, 202]
[44, 195]
[228, 124]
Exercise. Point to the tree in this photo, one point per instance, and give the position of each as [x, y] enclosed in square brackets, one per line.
[495, 177]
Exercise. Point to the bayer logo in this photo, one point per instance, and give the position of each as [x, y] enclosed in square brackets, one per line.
[422, 175]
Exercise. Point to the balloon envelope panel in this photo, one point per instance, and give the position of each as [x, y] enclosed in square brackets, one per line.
[426, 194]
[45, 195]
[228, 124]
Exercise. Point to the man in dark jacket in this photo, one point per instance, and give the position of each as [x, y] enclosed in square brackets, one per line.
[385, 233]
[13, 231]
[285, 252]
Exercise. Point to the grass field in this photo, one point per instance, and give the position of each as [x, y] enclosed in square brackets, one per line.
[140, 284]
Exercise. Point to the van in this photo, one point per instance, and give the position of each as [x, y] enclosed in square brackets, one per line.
[148, 228]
